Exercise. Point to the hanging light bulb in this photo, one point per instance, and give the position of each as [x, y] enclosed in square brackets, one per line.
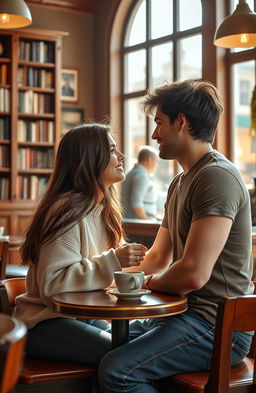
[4, 18]
[244, 38]
[238, 30]
[14, 14]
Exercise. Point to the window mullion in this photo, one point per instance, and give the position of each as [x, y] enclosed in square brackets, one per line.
[175, 49]
[148, 58]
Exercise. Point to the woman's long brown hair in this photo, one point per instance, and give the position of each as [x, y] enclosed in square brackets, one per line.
[73, 190]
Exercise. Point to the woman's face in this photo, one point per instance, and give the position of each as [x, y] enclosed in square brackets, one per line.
[114, 172]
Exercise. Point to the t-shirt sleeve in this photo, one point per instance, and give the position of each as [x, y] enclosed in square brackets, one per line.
[216, 191]
[165, 218]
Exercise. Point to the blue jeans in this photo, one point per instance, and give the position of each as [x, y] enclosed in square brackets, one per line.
[70, 340]
[162, 347]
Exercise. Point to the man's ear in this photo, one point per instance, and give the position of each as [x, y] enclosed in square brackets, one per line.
[182, 120]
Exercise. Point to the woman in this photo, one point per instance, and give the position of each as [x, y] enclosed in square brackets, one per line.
[74, 243]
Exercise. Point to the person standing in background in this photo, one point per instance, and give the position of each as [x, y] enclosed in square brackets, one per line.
[138, 194]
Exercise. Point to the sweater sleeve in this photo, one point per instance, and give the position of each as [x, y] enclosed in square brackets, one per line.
[64, 266]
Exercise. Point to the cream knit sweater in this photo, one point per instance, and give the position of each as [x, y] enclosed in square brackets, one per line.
[77, 261]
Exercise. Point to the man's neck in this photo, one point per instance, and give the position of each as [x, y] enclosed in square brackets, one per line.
[193, 154]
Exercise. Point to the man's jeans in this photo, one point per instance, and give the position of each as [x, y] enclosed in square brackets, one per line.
[162, 347]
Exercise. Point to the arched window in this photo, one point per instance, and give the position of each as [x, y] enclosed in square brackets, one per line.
[162, 42]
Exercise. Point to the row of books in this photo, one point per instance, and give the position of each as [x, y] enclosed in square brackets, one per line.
[32, 102]
[35, 77]
[3, 74]
[4, 156]
[5, 128]
[4, 99]
[35, 131]
[37, 51]
[4, 188]
[30, 158]
[31, 187]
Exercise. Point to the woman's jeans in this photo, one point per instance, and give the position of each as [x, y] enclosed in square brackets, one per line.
[162, 347]
[70, 340]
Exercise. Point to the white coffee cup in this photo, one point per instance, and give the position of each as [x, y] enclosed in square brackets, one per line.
[131, 281]
[1, 231]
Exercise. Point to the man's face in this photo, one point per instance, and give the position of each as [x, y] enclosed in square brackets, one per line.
[167, 136]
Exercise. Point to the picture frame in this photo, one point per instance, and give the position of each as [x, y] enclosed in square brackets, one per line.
[71, 117]
[69, 85]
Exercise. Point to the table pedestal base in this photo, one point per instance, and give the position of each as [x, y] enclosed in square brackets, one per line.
[120, 332]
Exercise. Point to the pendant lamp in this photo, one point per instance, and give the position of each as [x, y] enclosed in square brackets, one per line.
[237, 30]
[14, 14]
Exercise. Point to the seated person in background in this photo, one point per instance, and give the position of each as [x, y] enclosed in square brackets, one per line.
[74, 243]
[138, 194]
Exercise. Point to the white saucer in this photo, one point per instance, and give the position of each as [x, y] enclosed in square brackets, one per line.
[129, 295]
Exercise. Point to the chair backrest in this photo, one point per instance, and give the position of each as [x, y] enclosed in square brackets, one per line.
[9, 289]
[234, 314]
[12, 343]
[3, 258]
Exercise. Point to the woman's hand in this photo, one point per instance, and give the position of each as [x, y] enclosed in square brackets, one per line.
[130, 254]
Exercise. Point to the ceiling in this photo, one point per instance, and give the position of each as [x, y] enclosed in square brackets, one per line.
[75, 5]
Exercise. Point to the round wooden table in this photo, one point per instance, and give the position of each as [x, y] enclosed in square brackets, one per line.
[102, 305]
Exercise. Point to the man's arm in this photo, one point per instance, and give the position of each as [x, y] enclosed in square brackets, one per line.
[158, 258]
[206, 239]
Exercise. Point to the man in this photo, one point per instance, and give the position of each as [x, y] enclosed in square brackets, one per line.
[202, 249]
[138, 193]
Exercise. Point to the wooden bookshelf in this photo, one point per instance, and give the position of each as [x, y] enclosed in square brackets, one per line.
[30, 111]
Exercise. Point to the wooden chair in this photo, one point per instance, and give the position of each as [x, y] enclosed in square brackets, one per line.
[48, 375]
[4, 245]
[12, 343]
[8, 270]
[234, 314]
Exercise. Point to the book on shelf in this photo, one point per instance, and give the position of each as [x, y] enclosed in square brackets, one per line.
[32, 158]
[35, 77]
[35, 131]
[4, 156]
[4, 99]
[4, 188]
[36, 51]
[5, 128]
[32, 102]
[31, 187]
[3, 74]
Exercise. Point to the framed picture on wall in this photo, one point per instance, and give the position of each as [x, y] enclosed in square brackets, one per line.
[71, 117]
[69, 85]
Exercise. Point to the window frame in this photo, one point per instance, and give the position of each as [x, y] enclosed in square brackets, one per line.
[205, 29]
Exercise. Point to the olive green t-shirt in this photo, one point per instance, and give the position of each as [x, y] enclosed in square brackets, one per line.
[213, 186]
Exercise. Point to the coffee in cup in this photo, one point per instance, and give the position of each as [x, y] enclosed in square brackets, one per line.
[131, 281]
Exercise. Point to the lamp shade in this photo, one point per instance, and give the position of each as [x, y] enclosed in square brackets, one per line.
[237, 30]
[14, 14]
